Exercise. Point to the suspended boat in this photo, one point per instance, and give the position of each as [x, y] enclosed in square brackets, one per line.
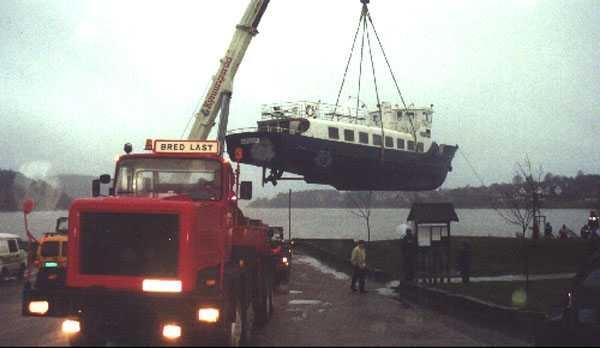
[388, 148]
[349, 151]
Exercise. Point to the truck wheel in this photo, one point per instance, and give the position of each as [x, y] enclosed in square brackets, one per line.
[264, 306]
[87, 337]
[21, 274]
[86, 340]
[237, 333]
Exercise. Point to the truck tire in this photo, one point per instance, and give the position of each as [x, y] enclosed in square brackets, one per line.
[87, 337]
[21, 274]
[264, 301]
[238, 331]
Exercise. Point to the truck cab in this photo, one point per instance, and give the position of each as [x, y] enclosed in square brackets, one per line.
[51, 258]
[165, 256]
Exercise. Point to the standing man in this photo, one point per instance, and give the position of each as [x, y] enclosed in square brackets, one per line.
[408, 255]
[359, 264]
[464, 262]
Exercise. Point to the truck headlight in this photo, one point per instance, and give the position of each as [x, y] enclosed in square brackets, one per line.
[208, 315]
[159, 285]
[38, 307]
[71, 327]
[171, 331]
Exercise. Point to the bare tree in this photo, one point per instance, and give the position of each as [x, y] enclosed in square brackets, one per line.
[362, 202]
[520, 203]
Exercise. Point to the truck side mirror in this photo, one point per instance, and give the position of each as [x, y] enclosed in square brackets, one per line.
[105, 179]
[246, 190]
[28, 206]
[96, 188]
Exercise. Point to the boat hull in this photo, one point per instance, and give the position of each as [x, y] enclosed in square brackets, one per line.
[345, 166]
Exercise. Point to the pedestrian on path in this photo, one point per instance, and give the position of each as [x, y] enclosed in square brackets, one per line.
[548, 231]
[359, 264]
[464, 262]
[408, 255]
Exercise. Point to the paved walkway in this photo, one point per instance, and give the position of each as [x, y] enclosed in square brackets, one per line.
[318, 308]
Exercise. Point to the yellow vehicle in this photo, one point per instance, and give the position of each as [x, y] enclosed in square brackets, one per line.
[51, 257]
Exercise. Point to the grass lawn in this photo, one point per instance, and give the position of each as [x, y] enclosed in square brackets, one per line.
[544, 295]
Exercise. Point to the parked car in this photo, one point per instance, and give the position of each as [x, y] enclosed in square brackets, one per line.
[13, 257]
[579, 321]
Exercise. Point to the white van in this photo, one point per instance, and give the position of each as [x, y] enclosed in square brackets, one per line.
[13, 256]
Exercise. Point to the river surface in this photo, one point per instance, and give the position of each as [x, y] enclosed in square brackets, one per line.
[341, 223]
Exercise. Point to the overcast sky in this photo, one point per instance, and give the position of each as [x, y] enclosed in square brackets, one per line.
[80, 78]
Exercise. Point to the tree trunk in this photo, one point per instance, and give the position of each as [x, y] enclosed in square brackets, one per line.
[368, 230]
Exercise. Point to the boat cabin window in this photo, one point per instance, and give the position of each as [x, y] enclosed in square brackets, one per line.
[411, 145]
[420, 147]
[376, 140]
[363, 137]
[299, 126]
[400, 143]
[410, 114]
[389, 142]
[334, 133]
[348, 135]
[399, 115]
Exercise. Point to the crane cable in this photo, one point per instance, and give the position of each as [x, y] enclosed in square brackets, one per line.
[362, 14]
[410, 118]
[494, 205]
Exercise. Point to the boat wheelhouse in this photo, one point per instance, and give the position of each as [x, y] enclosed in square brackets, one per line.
[346, 148]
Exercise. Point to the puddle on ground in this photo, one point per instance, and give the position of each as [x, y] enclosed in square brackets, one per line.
[386, 292]
[304, 302]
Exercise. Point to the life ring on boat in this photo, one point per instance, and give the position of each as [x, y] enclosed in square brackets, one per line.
[310, 110]
[323, 159]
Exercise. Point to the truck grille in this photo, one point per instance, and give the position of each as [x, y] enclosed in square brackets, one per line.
[129, 244]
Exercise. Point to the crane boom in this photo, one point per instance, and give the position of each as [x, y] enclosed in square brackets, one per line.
[220, 90]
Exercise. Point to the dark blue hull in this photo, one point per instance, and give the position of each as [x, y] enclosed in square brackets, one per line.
[345, 166]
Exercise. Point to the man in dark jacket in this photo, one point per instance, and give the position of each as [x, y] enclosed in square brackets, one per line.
[464, 262]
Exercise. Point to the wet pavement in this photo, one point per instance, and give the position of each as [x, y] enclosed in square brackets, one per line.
[21, 331]
[316, 308]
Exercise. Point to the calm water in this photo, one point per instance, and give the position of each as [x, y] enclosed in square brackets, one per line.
[340, 223]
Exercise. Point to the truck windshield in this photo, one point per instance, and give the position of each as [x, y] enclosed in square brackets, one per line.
[200, 178]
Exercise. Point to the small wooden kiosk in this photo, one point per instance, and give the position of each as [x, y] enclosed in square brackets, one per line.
[433, 248]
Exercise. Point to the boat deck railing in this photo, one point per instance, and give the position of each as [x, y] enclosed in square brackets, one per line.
[268, 129]
[318, 110]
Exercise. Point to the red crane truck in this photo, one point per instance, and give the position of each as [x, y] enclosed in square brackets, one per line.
[166, 257]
